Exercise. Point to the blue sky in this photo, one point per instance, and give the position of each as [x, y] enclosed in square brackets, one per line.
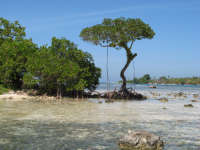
[174, 51]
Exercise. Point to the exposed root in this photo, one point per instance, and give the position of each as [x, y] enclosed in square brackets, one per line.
[125, 95]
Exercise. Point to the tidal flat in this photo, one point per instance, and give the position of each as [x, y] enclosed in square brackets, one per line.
[89, 125]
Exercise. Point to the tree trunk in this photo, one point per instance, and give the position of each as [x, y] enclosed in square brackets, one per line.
[129, 57]
[59, 92]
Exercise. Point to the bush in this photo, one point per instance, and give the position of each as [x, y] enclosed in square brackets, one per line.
[3, 89]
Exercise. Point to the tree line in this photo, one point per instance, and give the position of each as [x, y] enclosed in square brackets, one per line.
[146, 79]
[59, 69]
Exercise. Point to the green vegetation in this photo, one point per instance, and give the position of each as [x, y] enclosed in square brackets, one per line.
[59, 69]
[188, 80]
[14, 51]
[3, 89]
[165, 80]
[119, 33]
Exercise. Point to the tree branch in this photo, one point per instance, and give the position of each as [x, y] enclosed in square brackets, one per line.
[134, 55]
[131, 44]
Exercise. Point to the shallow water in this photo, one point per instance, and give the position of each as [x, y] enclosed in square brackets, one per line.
[88, 125]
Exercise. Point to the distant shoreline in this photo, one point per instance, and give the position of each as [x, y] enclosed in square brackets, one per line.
[128, 82]
[147, 79]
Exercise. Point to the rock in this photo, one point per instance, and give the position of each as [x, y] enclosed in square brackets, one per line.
[179, 94]
[32, 93]
[194, 101]
[153, 86]
[188, 105]
[141, 141]
[155, 94]
[10, 97]
[195, 95]
[164, 100]
[184, 96]
[109, 100]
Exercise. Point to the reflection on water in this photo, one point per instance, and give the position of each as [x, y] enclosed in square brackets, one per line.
[93, 126]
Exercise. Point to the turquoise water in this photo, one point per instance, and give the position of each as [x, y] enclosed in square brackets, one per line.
[88, 125]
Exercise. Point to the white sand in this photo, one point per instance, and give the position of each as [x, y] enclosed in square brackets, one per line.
[14, 96]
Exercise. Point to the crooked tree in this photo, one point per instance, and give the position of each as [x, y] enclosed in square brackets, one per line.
[120, 33]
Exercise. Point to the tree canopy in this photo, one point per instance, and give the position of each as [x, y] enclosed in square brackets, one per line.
[117, 33]
[61, 67]
[14, 49]
[11, 31]
[13, 57]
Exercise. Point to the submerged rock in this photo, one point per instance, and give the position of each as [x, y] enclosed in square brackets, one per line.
[195, 95]
[188, 105]
[194, 100]
[109, 100]
[141, 141]
[164, 100]
[153, 86]
[180, 94]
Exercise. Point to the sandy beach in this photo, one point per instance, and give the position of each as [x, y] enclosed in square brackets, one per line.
[15, 96]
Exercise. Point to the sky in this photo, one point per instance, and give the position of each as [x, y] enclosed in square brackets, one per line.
[174, 51]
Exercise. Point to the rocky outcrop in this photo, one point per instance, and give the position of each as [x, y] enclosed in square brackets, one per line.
[141, 141]
[188, 105]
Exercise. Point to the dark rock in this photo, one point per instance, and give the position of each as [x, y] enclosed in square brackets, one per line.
[194, 101]
[109, 100]
[153, 86]
[188, 105]
[141, 141]
[179, 94]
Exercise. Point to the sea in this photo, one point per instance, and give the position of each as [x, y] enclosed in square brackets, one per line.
[93, 124]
